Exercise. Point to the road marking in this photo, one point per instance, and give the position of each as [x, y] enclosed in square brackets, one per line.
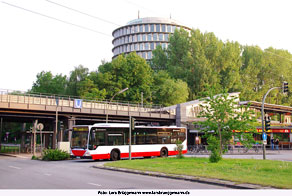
[47, 174]
[94, 184]
[14, 167]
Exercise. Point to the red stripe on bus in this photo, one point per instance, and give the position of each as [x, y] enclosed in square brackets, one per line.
[78, 153]
[135, 154]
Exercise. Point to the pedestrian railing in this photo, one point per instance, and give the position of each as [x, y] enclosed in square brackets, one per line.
[68, 101]
[236, 149]
[10, 148]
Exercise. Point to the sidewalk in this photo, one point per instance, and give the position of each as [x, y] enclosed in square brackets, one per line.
[20, 155]
[280, 155]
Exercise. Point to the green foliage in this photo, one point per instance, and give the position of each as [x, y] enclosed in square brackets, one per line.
[54, 155]
[179, 149]
[47, 83]
[168, 91]
[225, 120]
[214, 147]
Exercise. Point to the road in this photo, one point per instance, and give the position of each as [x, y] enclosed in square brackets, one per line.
[23, 173]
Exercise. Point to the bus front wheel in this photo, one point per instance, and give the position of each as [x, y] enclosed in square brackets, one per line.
[163, 152]
[115, 155]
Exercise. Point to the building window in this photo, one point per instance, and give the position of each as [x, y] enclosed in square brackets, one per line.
[134, 38]
[136, 29]
[144, 55]
[144, 37]
[147, 28]
[146, 46]
[169, 28]
[155, 37]
[160, 37]
[128, 30]
[141, 46]
[149, 55]
[152, 46]
[163, 28]
[141, 28]
[152, 28]
[158, 28]
[132, 29]
[125, 31]
[149, 37]
[163, 45]
[173, 28]
[165, 37]
[139, 37]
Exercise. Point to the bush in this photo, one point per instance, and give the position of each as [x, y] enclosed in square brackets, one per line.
[179, 148]
[54, 155]
[214, 147]
[215, 156]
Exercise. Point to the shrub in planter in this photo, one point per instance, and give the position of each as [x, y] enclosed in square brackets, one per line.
[54, 155]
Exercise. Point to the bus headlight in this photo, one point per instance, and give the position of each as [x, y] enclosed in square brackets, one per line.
[87, 154]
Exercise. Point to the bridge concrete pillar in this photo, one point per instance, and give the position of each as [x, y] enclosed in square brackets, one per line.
[54, 139]
[181, 115]
[71, 123]
[22, 144]
[1, 127]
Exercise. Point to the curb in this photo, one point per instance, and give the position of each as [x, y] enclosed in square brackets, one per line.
[211, 181]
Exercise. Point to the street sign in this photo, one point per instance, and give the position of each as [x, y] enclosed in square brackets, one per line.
[78, 103]
[40, 126]
[264, 136]
[265, 142]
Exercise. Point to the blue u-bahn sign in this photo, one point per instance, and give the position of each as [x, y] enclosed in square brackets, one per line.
[264, 136]
[78, 103]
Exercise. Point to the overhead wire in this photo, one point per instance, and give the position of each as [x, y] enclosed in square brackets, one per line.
[84, 13]
[54, 18]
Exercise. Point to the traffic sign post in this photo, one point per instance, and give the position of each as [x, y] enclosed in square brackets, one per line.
[264, 136]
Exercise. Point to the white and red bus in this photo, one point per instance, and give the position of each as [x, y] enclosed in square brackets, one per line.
[111, 141]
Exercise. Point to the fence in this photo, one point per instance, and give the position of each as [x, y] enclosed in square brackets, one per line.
[10, 148]
[233, 149]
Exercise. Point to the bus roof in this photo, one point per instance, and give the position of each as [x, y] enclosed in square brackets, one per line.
[125, 125]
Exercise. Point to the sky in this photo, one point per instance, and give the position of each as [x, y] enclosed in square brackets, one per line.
[40, 35]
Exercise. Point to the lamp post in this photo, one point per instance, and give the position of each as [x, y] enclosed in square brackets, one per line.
[121, 91]
[262, 116]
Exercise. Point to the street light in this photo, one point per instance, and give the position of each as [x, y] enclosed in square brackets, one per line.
[121, 91]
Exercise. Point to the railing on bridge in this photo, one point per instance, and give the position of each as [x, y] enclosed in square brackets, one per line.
[68, 101]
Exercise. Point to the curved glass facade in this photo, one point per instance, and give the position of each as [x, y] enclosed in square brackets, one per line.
[143, 35]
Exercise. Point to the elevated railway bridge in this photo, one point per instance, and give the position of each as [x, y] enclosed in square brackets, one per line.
[69, 111]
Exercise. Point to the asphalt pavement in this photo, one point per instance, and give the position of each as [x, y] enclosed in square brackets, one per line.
[20, 172]
[87, 174]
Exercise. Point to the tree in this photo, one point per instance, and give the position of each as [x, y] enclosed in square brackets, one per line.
[168, 91]
[76, 76]
[225, 119]
[88, 90]
[48, 83]
[130, 71]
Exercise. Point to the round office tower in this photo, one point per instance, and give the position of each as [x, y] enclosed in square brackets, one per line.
[143, 35]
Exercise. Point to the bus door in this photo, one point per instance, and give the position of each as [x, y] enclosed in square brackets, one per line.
[97, 138]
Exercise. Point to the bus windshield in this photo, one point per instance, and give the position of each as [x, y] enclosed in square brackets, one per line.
[79, 137]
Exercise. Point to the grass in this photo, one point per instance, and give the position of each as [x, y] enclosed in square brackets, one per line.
[263, 172]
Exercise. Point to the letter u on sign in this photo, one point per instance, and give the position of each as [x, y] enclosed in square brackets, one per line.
[78, 103]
